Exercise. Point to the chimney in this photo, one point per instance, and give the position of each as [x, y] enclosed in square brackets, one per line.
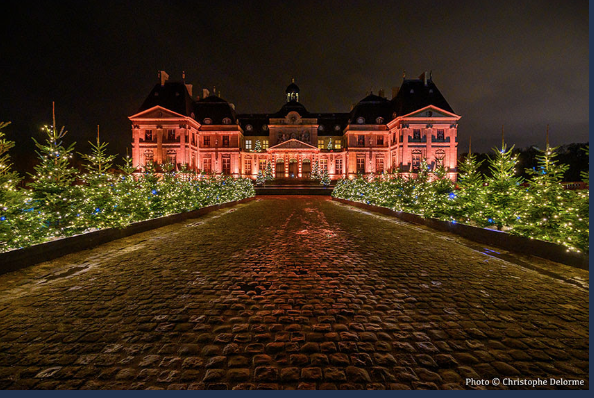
[381, 93]
[164, 77]
[205, 92]
[189, 87]
[395, 91]
[425, 77]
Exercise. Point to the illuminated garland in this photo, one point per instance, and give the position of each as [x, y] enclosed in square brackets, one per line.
[540, 209]
[62, 202]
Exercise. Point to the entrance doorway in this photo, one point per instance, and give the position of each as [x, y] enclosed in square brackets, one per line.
[306, 168]
[293, 168]
[280, 168]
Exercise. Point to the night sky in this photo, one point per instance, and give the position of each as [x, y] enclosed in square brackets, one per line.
[522, 64]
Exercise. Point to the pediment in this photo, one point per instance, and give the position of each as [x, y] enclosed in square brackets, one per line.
[293, 144]
[431, 111]
[157, 112]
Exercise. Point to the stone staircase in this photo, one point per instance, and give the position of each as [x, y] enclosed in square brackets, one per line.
[294, 186]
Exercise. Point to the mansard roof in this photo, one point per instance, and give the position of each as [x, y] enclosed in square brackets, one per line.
[172, 95]
[416, 94]
[370, 109]
[214, 108]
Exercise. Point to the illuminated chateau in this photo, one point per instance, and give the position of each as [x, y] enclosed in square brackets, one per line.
[378, 135]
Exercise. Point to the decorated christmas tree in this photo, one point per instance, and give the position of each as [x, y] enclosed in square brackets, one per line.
[549, 211]
[16, 216]
[329, 147]
[325, 179]
[99, 206]
[503, 194]
[258, 146]
[260, 179]
[54, 197]
[315, 172]
[469, 200]
[268, 176]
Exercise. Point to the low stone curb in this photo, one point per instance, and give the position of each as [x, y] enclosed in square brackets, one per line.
[500, 239]
[22, 258]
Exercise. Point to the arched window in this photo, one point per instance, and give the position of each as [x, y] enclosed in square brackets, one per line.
[207, 120]
[360, 120]
[440, 157]
[226, 121]
[379, 120]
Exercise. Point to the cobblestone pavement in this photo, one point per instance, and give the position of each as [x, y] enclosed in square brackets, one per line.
[288, 293]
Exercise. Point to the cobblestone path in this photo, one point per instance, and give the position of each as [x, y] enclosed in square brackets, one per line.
[287, 293]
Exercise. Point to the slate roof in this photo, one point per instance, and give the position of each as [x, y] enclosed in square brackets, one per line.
[370, 109]
[172, 95]
[414, 94]
[214, 108]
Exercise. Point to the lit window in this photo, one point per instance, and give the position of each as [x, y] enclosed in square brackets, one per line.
[323, 164]
[248, 145]
[338, 166]
[337, 144]
[264, 144]
[262, 165]
[321, 144]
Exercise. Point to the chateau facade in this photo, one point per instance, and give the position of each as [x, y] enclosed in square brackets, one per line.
[378, 135]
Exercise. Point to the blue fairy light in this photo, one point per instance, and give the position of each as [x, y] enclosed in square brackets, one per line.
[154, 191]
[490, 220]
[452, 195]
[2, 218]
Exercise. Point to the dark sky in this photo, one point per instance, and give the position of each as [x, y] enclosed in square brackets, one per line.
[521, 64]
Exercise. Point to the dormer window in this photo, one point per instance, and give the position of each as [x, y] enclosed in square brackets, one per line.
[249, 127]
[226, 121]
[337, 128]
[264, 128]
[360, 120]
[321, 128]
[379, 120]
[207, 120]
